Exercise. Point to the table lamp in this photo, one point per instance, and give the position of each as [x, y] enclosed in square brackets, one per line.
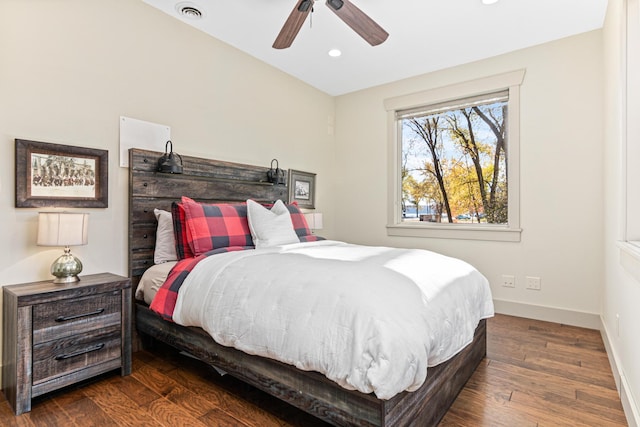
[64, 229]
[314, 220]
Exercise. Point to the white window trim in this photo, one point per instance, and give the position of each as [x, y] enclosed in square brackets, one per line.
[505, 233]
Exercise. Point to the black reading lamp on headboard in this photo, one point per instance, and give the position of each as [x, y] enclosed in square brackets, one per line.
[275, 176]
[170, 162]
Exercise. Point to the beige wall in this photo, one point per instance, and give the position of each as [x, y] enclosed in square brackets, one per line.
[69, 69]
[560, 170]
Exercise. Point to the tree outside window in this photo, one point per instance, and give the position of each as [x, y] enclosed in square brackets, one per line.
[454, 161]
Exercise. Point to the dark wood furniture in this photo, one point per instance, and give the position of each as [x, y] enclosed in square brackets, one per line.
[55, 335]
[215, 181]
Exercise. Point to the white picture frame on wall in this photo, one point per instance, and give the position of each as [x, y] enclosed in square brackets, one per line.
[136, 133]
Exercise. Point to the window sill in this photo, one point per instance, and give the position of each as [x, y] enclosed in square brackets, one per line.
[453, 231]
[630, 258]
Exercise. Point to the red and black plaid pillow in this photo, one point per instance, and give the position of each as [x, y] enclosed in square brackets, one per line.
[183, 250]
[222, 225]
[214, 226]
[300, 224]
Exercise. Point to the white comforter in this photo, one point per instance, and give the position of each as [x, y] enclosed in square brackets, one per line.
[369, 318]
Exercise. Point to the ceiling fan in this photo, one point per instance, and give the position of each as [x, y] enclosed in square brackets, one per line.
[366, 27]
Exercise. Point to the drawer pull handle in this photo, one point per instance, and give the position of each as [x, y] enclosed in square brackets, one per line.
[80, 352]
[77, 316]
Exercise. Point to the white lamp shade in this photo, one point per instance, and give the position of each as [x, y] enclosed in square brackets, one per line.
[63, 229]
[314, 220]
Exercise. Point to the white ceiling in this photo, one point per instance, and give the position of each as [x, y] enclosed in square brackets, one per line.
[425, 35]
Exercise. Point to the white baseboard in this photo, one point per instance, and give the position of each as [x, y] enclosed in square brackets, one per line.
[629, 405]
[628, 402]
[548, 314]
[611, 354]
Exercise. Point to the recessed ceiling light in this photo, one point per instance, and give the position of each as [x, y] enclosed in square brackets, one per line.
[489, 1]
[334, 53]
[189, 10]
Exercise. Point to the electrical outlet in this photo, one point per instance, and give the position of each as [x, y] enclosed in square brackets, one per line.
[508, 281]
[533, 283]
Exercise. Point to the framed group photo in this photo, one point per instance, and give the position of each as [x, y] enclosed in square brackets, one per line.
[302, 188]
[55, 175]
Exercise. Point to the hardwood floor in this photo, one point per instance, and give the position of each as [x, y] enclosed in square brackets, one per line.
[535, 374]
[539, 374]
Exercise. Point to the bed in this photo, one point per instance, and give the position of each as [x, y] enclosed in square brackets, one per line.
[212, 181]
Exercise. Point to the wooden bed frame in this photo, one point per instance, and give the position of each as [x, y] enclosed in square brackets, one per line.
[215, 181]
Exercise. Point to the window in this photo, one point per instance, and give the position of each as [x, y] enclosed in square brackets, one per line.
[454, 161]
[631, 130]
[454, 165]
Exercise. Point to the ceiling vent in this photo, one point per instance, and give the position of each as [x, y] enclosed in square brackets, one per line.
[189, 11]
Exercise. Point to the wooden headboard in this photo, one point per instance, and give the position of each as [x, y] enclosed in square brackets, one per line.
[203, 180]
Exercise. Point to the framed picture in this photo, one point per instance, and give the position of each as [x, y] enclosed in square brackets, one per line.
[302, 188]
[54, 175]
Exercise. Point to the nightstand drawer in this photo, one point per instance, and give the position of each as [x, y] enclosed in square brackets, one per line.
[67, 355]
[58, 319]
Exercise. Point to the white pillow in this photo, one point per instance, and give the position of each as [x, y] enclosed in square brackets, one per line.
[270, 227]
[165, 239]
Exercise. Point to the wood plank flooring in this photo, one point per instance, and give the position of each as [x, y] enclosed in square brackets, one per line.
[535, 374]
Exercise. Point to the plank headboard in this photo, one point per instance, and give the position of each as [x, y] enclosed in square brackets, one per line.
[203, 180]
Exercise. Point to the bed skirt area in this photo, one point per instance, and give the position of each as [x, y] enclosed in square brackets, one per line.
[313, 392]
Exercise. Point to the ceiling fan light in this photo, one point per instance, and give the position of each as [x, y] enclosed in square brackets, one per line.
[334, 53]
[335, 4]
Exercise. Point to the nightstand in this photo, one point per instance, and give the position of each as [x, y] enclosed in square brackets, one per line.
[55, 335]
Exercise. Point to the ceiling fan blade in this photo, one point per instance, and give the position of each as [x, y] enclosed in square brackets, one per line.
[359, 22]
[293, 24]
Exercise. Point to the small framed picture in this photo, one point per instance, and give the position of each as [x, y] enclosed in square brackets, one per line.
[55, 175]
[302, 188]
